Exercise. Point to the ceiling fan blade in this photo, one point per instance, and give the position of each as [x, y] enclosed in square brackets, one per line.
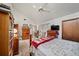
[43, 8]
[45, 5]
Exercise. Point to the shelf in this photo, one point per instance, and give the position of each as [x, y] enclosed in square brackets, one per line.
[11, 39]
[11, 35]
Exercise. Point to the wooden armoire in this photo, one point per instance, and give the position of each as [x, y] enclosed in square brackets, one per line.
[6, 33]
[25, 32]
[70, 29]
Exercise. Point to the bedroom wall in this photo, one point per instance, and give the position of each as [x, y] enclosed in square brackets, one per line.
[19, 19]
[58, 21]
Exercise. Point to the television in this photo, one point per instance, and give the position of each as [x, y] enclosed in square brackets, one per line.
[54, 27]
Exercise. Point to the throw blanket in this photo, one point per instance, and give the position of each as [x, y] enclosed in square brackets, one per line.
[36, 43]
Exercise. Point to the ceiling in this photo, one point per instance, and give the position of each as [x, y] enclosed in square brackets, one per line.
[56, 10]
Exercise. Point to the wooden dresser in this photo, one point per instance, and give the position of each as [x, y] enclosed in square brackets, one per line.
[16, 40]
[25, 32]
[51, 33]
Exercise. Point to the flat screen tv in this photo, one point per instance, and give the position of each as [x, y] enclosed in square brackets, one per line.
[54, 27]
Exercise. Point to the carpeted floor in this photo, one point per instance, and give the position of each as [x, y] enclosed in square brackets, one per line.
[24, 48]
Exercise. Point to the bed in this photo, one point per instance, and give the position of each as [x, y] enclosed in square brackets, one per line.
[57, 47]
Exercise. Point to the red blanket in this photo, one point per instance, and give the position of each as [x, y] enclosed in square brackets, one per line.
[36, 43]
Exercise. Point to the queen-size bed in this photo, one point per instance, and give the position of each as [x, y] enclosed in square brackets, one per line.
[57, 47]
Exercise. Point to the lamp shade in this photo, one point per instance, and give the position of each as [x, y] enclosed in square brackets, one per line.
[15, 30]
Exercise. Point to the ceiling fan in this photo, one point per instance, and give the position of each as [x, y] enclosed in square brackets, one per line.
[44, 8]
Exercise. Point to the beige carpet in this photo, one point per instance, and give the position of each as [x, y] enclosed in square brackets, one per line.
[23, 48]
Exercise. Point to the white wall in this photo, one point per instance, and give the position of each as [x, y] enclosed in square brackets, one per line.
[19, 19]
[59, 21]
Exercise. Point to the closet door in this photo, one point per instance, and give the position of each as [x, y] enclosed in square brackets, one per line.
[76, 34]
[67, 30]
[70, 29]
[74, 29]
